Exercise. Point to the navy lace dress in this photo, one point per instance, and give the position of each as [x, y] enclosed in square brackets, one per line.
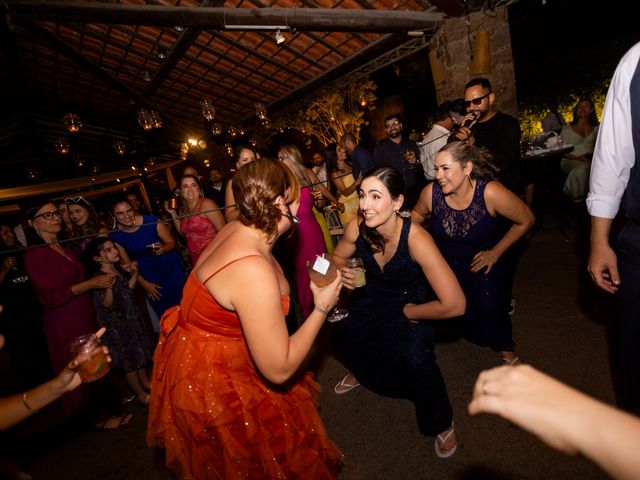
[460, 234]
[377, 343]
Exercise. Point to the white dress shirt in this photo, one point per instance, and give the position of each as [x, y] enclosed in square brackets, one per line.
[614, 154]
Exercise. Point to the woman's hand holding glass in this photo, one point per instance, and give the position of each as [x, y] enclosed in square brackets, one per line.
[353, 274]
[326, 297]
[323, 273]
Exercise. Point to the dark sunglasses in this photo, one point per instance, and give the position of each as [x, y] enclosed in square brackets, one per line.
[475, 101]
[49, 215]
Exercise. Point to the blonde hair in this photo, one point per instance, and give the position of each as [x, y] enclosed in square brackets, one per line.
[294, 161]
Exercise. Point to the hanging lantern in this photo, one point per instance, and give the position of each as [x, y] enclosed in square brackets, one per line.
[216, 129]
[32, 173]
[202, 144]
[206, 162]
[253, 142]
[72, 122]
[261, 111]
[229, 149]
[208, 112]
[62, 146]
[78, 160]
[241, 131]
[156, 119]
[119, 147]
[145, 120]
[232, 131]
[95, 169]
[150, 162]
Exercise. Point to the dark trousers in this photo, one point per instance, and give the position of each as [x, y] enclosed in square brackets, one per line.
[626, 331]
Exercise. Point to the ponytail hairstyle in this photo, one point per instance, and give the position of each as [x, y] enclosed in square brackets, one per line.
[394, 182]
[256, 186]
[481, 159]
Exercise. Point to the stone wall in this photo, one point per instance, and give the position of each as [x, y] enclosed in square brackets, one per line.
[454, 46]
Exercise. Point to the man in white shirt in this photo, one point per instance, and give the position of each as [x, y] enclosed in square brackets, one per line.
[615, 182]
[446, 118]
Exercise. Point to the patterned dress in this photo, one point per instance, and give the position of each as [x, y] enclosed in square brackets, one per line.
[198, 231]
[126, 336]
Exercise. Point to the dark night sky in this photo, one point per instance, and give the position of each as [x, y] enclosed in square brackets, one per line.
[567, 46]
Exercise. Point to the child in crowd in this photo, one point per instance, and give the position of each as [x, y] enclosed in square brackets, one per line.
[116, 309]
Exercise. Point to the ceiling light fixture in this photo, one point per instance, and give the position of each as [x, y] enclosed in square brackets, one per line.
[72, 122]
[279, 37]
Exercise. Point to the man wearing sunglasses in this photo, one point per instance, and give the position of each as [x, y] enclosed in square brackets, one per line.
[493, 130]
[403, 155]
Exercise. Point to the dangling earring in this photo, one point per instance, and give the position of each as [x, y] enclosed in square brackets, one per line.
[469, 178]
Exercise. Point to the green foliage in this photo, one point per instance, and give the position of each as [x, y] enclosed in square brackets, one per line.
[532, 113]
[331, 114]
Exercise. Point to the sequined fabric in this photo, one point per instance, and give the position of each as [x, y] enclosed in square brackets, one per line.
[214, 414]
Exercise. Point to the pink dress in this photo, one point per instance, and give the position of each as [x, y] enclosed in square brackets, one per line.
[307, 241]
[198, 231]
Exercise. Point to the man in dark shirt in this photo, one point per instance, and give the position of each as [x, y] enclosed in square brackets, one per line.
[361, 159]
[493, 130]
[216, 188]
[401, 154]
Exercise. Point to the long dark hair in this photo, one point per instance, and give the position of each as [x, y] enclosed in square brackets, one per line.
[593, 116]
[394, 182]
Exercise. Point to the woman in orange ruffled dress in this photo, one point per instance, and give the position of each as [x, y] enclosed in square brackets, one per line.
[227, 399]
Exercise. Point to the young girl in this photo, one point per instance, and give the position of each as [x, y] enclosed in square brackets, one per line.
[116, 309]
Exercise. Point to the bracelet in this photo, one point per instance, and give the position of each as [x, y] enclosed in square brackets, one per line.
[321, 310]
[26, 404]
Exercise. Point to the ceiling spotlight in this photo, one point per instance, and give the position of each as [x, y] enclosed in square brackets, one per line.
[279, 37]
[162, 53]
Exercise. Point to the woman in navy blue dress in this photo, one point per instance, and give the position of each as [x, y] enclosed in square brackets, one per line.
[160, 265]
[386, 340]
[465, 207]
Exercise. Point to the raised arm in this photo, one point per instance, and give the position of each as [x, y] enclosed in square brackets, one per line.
[276, 355]
[345, 191]
[450, 300]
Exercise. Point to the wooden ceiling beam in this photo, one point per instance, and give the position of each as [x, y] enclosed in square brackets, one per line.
[55, 42]
[221, 18]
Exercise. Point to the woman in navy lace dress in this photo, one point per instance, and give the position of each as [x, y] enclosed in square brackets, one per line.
[386, 341]
[464, 205]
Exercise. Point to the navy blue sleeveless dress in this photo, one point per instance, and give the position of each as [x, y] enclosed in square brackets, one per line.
[460, 234]
[388, 354]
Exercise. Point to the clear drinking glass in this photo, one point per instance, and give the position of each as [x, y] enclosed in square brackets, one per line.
[93, 361]
[359, 277]
[322, 271]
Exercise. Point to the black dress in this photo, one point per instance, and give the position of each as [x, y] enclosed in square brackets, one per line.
[388, 354]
